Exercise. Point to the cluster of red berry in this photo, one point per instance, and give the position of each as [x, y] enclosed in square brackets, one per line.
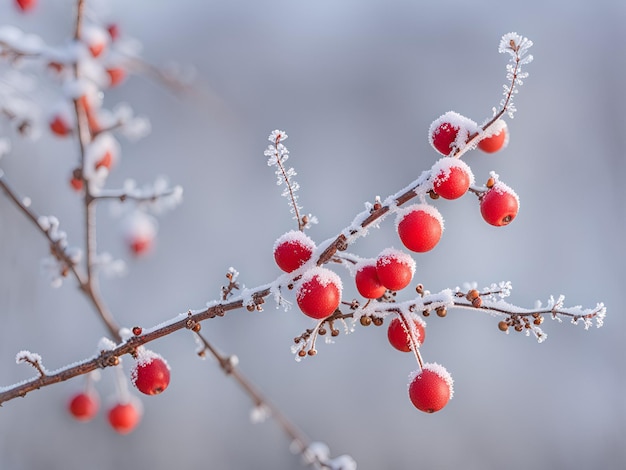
[150, 375]
[419, 227]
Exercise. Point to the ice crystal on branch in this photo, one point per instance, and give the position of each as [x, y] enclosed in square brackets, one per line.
[517, 46]
[277, 154]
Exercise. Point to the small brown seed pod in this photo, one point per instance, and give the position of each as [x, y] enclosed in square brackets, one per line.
[365, 320]
[538, 321]
[441, 311]
[503, 326]
[477, 302]
[137, 330]
[377, 321]
[302, 353]
[472, 294]
[491, 183]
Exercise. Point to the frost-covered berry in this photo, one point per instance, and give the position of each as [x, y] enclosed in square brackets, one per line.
[150, 373]
[319, 293]
[450, 131]
[116, 75]
[105, 161]
[367, 282]
[25, 5]
[395, 269]
[400, 338]
[76, 184]
[96, 39]
[451, 177]
[124, 417]
[84, 406]
[431, 388]
[419, 227]
[292, 250]
[499, 205]
[497, 139]
[59, 126]
[140, 230]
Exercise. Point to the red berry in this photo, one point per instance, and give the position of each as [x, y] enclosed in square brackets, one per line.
[497, 139]
[499, 205]
[150, 373]
[26, 5]
[367, 282]
[450, 131]
[319, 293]
[106, 161]
[76, 183]
[114, 31]
[59, 126]
[431, 389]
[395, 269]
[400, 338]
[116, 75]
[420, 227]
[292, 250]
[443, 137]
[451, 177]
[141, 245]
[84, 406]
[124, 417]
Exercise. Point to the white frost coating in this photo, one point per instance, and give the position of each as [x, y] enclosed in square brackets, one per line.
[259, 414]
[105, 344]
[18, 40]
[27, 356]
[5, 148]
[494, 129]
[427, 208]
[502, 188]
[441, 170]
[324, 276]
[438, 369]
[343, 462]
[139, 225]
[315, 452]
[295, 237]
[391, 254]
[464, 125]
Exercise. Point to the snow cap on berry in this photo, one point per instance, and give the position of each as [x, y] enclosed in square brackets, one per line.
[145, 356]
[295, 236]
[324, 275]
[441, 170]
[500, 187]
[389, 254]
[465, 127]
[427, 208]
[438, 369]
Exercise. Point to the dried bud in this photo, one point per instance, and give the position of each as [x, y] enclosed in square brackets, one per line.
[433, 194]
[472, 294]
[196, 327]
[365, 320]
[250, 307]
[302, 353]
[334, 332]
[321, 331]
[538, 321]
[312, 352]
[137, 330]
[477, 302]
[503, 326]
[378, 321]
[426, 313]
[441, 311]
[490, 183]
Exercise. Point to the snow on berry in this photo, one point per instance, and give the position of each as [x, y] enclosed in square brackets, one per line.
[150, 373]
[401, 338]
[495, 137]
[319, 292]
[419, 227]
[451, 131]
[499, 205]
[431, 388]
[292, 250]
[451, 177]
[139, 231]
[395, 268]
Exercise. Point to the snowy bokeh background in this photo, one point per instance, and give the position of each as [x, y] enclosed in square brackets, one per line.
[355, 84]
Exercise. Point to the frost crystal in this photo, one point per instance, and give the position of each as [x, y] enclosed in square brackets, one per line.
[517, 46]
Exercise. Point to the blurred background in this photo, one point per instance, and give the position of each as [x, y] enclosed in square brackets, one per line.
[355, 84]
